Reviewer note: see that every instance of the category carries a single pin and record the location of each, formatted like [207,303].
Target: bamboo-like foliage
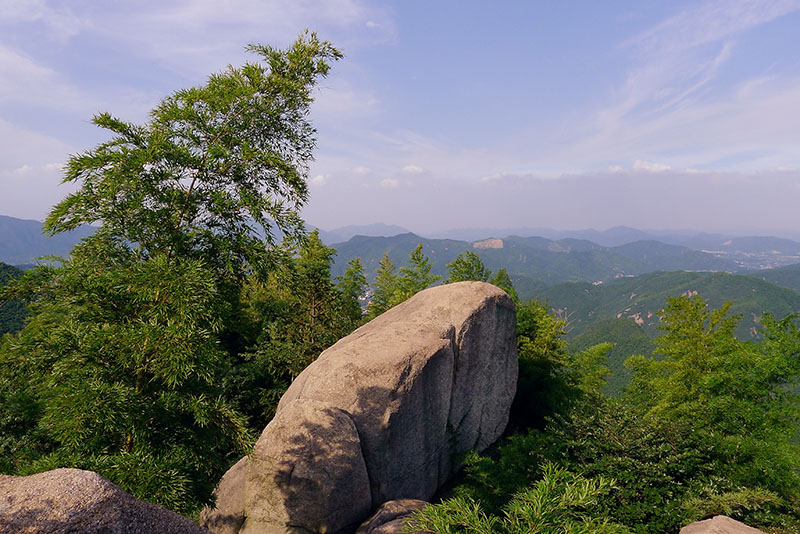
[560,502]
[216,169]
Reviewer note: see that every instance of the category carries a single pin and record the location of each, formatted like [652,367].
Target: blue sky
[450,114]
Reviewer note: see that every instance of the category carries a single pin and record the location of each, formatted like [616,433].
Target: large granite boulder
[403,396]
[74,501]
[719,524]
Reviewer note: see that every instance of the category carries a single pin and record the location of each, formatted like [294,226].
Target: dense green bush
[558,502]
[706,429]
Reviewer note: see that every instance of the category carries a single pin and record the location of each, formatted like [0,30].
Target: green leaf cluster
[736,396]
[467,266]
[215,170]
[12,312]
[295,314]
[559,502]
[392,288]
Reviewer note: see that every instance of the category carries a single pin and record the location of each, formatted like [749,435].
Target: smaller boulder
[719,525]
[227,514]
[306,473]
[391,517]
[81,502]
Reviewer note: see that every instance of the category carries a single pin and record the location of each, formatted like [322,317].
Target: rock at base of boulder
[81,502]
[306,473]
[390,517]
[719,524]
[227,514]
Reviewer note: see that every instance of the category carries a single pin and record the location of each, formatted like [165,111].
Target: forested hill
[530,259]
[22,240]
[8,272]
[639,299]
[625,311]
[788,276]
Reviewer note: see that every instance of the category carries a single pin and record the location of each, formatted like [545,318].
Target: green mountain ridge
[625,311]
[640,298]
[533,262]
[788,276]
[22,240]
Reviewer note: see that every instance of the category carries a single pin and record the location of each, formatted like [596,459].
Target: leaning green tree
[121,366]
[216,169]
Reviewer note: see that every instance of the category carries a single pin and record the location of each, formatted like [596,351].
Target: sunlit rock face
[384,413]
[719,524]
[81,502]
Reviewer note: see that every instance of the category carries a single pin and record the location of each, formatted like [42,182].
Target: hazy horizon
[529,230]
[450,115]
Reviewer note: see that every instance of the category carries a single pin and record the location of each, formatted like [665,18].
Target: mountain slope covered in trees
[22,240]
[640,298]
[787,276]
[533,260]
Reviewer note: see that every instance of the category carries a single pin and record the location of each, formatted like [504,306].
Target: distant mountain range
[788,276]
[536,255]
[746,252]
[640,298]
[534,262]
[22,240]
[345,233]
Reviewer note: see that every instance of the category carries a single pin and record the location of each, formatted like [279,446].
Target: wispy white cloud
[671,103]
[60,21]
[20,147]
[338,103]
[708,22]
[319,180]
[413,169]
[650,166]
[26,81]
[177,33]
[361,171]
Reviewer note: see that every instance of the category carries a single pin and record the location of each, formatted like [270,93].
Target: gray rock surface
[719,524]
[429,378]
[306,472]
[404,395]
[390,517]
[73,501]
[227,514]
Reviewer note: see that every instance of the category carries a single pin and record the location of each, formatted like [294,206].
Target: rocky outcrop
[719,525]
[227,515]
[81,502]
[390,517]
[309,474]
[384,413]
